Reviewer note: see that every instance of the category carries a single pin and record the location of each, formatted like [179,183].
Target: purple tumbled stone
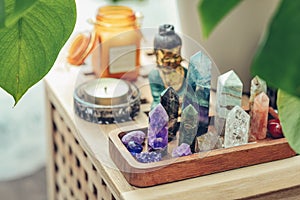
[182,150]
[158,128]
[148,157]
[136,136]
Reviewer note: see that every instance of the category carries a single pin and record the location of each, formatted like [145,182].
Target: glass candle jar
[118,56]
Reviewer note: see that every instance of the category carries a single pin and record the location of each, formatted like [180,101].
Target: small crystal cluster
[148,157]
[182,150]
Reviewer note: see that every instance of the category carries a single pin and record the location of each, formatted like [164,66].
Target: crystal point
[236,128]
[229,95]
[258,86]
[259,117]
[158,128]
[198,86]
[188,126]
[170,101]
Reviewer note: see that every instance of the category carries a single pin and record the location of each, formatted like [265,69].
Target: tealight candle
[107,91]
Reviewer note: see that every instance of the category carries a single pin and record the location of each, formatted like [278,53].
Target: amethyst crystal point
[182,150]
[170,101]
[136,136]
[158,128]
[147,157]
[188,126]
[134,147]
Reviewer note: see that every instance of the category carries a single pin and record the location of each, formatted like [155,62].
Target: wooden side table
[79,165]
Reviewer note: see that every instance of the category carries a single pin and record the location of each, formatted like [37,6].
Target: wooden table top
[238,183]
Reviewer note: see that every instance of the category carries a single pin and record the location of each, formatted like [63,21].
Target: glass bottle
[118,56]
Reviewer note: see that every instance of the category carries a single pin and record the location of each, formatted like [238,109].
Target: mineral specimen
[208,141]
[198,86]
[158,128]
[229,94]
[274,128]
[170,101]
[236,128]
[134,147]
[136,136]
[182,150]
[148,157]
[258,86]
[259,117]
[188,126]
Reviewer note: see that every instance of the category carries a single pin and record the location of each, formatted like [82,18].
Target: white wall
[234,42]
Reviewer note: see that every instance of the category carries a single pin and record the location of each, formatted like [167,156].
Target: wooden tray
[198,164]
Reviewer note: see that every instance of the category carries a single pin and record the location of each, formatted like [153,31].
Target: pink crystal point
[259,117]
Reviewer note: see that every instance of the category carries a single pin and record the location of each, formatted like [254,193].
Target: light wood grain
[93,139]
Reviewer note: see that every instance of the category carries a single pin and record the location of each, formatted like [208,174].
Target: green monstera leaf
[289,107]
[33,35]
[2,14]
[213,11]
[278,59]
[21,7]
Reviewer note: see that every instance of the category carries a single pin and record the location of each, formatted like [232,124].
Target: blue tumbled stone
[134,147]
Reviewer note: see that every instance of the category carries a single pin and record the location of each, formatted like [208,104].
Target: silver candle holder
[107,101]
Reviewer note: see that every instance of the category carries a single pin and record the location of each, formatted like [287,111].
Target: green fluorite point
[189,125]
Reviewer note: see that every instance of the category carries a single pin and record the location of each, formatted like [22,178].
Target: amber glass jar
[118,56]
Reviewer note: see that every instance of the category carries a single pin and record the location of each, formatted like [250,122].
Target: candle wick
[105,89]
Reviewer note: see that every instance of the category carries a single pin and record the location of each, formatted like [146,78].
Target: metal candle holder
[107,101]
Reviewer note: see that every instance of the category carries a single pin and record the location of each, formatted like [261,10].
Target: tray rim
[135,167]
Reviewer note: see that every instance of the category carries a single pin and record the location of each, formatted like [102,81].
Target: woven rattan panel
[75,177]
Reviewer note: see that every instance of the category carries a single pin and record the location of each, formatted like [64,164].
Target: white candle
[107,91]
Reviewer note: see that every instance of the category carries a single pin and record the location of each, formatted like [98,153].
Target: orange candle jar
[118,56]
